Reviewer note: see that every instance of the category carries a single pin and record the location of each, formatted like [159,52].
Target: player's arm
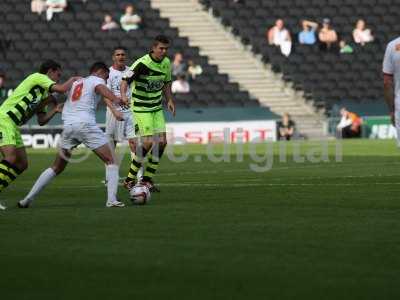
[388,86]
[128,77]
[170,99]
[388,92]
[104,91]
[44,117]
[117,114]
[63,87]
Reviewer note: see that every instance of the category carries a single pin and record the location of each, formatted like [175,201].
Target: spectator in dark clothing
[286,128]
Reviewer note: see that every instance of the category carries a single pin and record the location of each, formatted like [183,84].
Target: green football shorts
[149,123]
[9,133]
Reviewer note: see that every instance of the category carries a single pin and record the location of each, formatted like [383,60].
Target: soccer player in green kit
[31,97]
[149,78]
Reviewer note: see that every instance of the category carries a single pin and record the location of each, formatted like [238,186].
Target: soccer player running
[119,119]
[79,118]
[30,97]
[391,82]
[150,78]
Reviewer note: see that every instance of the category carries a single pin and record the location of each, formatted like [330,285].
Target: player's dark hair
[49,65]
[119,48]
[160,39]
[99,65]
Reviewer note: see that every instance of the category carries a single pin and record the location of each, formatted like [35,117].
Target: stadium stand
[326,77]
[75,39]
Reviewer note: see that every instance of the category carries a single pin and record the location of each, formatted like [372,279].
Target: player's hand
[75,78]
[59,108]
[124,101]
[171,107]
[392,118]
[118,115]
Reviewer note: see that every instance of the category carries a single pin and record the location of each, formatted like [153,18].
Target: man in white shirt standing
[391,82]
[119,118]
[80,127]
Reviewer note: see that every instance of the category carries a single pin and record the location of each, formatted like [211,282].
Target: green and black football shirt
[27,99]
[147,78]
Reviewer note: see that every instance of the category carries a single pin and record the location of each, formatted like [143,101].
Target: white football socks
[112,177]
[44,179]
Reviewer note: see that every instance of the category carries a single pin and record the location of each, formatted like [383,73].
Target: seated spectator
[286,128]
[279,36]
[327,36]
[349,125]
[55,6]
[345,48]
[4,92]
[130,20]
[307,36]
[361,34]
[38,6]
[178,65]
[194,70]
[180,85]
[109,23]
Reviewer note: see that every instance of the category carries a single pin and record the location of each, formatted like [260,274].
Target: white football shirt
[391,65]
[114,84]
[82,101]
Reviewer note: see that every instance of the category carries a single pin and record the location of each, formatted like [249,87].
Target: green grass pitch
[303,230]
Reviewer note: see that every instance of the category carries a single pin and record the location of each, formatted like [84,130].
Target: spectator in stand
[349,125]
[38,6]
[4,92]
[345,48]
[180,85]
[279,36]
[286,128]
[55,6]
[362,35]
[307,36]
[178,65]
[130,20]
[109,23]
[327,36]
[194,70]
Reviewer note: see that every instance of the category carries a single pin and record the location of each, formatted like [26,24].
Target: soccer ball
[140,194]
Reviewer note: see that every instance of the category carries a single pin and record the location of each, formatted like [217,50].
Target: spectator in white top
[130,20]
[180,85]
[38,6]
[55,6]
[194,69]
[361,34]
[279,36]
[109,23]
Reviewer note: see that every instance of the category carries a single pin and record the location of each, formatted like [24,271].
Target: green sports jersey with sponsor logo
[27,99]
[147,78]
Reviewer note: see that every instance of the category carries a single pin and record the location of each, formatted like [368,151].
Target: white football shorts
[120,130]
[82,133]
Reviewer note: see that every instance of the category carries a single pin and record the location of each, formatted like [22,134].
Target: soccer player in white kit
[119,118]
[391,82]
[80,127]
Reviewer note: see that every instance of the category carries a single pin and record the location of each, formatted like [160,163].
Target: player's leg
[105,153]
[159,145]
[110,133]
[12,149]
[96,140]
[144,131]
[46,177]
